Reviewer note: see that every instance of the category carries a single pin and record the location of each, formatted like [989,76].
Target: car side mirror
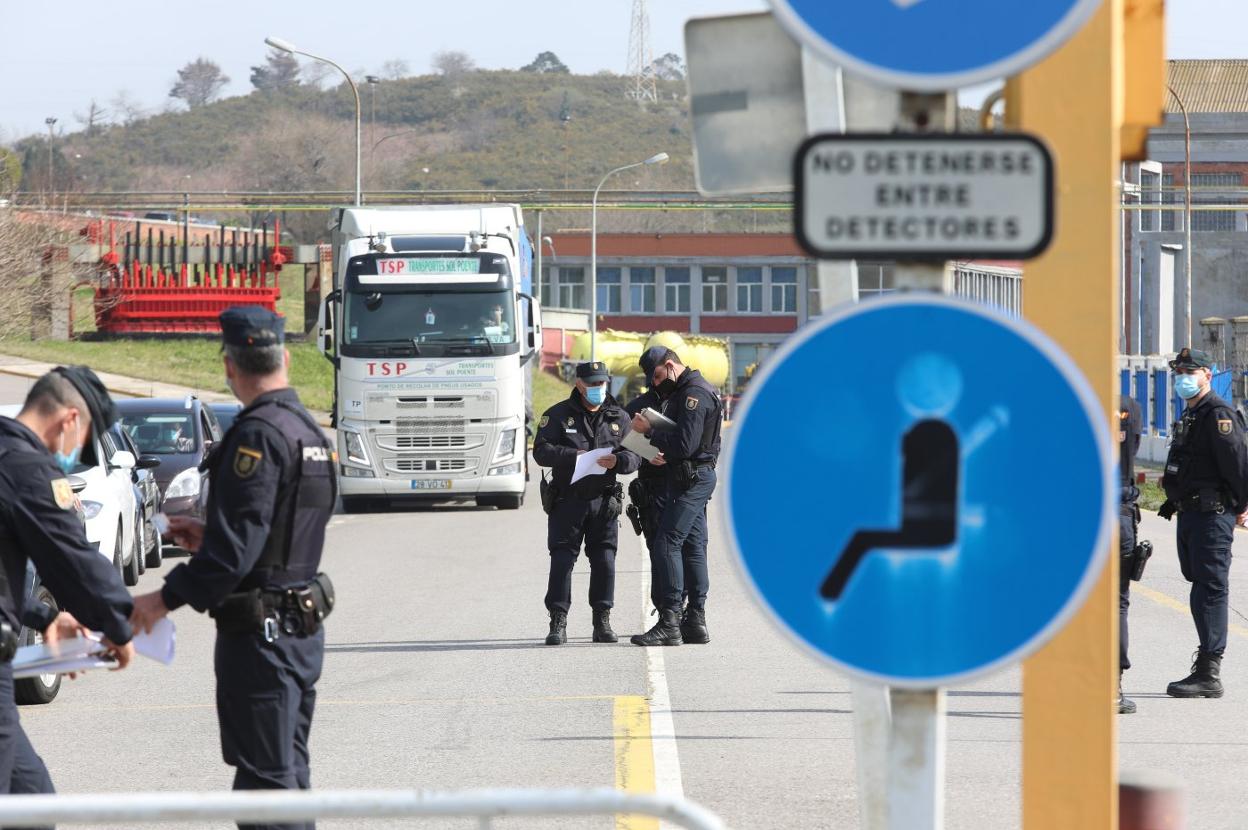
[77,483]
[124,459]
[148,462]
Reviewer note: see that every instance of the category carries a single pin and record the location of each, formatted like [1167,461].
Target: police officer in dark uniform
[1129,428]
[648,491]
[587,511]
[38,449]
[1206,481]
[690,452]
[256,559]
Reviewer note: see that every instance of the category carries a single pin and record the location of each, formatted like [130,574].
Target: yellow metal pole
[1075,101]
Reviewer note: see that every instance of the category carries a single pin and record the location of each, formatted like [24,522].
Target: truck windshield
[428,317]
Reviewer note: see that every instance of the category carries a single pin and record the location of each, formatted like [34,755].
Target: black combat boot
[693,627]
[666,631]
[558,628]
[1204,681]
[1125,706]
[602,627]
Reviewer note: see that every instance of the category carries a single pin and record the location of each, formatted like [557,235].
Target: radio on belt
[924,196]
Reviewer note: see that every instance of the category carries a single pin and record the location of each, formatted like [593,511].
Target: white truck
[434,335]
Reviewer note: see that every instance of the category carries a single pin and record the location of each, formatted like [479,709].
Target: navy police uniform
[649,490]
[1130,427]
[1206,481]
[256,572]
[587,511]
[38,522]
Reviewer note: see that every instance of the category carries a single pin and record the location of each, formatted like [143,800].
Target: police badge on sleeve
[246,460]
[1225,426]
[62,493]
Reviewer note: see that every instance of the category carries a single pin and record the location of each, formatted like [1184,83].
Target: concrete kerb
[124,385]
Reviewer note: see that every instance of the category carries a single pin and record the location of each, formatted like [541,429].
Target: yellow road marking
[634,756]
[1170,602]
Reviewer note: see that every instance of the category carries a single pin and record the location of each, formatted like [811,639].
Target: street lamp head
[658,158]
[49,121]
[279,44]
[372,79]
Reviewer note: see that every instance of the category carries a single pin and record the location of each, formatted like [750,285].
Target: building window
[784,290]
[546,287]
[1214,220]
[641,290]
[609,288]
[1150,194]
[571,289]
[714,289]
[750,289]
[875,279]
[1171,220]
[744,355]
[676,290]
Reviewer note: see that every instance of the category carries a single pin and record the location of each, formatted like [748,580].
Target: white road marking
[667,777]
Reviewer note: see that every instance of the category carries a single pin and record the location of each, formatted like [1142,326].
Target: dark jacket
[648,399]
[1208,455]
[1129,428]
[695,407]
[568,428]
[37,521]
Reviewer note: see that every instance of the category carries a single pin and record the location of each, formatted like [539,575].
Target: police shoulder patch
[246,460]
[62,493]
[691,402]
[571,421]
[542,423]
[615,427]
[1225,425]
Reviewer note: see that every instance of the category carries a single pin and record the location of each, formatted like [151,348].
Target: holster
[295,611]
[8,643]
[549,492]
[614,500]
[1133,563]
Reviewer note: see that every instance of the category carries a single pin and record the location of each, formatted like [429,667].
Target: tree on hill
[94,118]
[281,71]
[669,67]
[10,171]
[546,62]
[453,64]
[125,106]
[199,82]
[395,69]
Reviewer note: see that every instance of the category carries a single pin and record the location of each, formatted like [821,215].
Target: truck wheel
[42,688]
[506,501]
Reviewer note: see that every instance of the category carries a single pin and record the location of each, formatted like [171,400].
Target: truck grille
[429,403]
[430,465]
[427,442]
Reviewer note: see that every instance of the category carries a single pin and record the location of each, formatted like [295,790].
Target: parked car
[109,501]
[180,432]
[226,412]
[147,491]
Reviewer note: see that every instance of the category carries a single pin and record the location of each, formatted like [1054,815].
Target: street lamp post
[372,81]
[1187,213]
[660,158]
[51,122]
[278,43]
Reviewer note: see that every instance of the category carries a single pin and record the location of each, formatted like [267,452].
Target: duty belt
[294,611]
[1204,502]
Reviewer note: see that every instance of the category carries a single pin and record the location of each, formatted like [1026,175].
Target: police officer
[1206,481]
[256,559]
[587,511]
[648,491]
[690,451]
[38,449]
[1129,428]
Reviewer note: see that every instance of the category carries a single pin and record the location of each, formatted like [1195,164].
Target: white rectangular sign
[943,196]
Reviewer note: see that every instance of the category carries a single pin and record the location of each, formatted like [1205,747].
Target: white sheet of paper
[587,464]
[159,644]
[640,444]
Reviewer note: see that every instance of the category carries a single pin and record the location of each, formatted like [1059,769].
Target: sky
[138,45]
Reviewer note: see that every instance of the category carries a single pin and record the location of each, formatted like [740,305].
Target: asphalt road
[436,677]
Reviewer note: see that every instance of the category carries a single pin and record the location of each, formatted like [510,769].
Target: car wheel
[117,562]
[42,688]
[140,546]
[156,552]
[130,570]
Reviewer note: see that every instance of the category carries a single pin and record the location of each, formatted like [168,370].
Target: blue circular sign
[933,45]
[888,480]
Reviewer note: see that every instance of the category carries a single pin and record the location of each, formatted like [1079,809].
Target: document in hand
[83,653]
[657,419]
[587,464]
[640,444]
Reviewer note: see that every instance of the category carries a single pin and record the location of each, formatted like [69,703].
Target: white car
[114,516]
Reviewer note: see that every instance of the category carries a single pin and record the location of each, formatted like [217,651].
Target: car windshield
[428,317]
[160,433]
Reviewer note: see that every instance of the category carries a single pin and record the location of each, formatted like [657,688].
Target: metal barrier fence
[307,805]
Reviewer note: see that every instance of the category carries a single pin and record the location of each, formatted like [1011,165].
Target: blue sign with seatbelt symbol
[932,45]
[888,481]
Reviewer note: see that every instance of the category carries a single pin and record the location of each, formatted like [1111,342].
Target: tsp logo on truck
[386,370]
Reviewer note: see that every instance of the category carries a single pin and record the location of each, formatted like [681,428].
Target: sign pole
[916,760]
[1075,99]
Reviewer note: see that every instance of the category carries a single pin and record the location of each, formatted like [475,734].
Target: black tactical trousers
[1126,544]
[21,768]
[1205,559]
[573,522]
[266,693]
[679,554]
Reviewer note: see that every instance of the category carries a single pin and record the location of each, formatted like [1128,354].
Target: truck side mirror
[325,326]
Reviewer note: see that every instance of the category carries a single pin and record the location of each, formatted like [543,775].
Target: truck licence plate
[432,484]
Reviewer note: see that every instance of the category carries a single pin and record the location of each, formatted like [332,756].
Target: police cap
[99,403]
[1192,359]
[252,325]
[595,372]
[651,359]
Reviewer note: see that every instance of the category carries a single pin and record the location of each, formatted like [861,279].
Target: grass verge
[548,390]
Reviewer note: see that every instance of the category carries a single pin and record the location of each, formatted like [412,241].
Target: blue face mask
[1187,386]
[67,462]
[595,395]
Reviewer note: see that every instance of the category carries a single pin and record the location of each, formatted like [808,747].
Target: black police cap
[1192,359]
[595,372]
[100,404]
[651,359]
[252,325]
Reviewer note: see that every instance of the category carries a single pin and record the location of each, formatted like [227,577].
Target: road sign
[933,45]
[920,489]
[943,196]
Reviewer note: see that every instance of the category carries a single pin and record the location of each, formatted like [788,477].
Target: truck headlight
[509,470]
[184,485]
[355,472]
[506,444]
[91,509]
[354,443]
